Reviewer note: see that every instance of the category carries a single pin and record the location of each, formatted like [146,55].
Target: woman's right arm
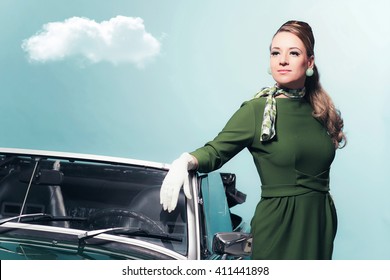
[237,134]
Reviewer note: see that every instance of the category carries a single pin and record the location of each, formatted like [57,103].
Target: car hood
[36,242]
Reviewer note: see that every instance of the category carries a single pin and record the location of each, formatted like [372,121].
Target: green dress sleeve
[237,134]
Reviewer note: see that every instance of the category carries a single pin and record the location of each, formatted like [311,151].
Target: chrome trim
[193,219]
[191,224]
[78,156]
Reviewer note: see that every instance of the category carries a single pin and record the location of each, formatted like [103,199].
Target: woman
[292,131]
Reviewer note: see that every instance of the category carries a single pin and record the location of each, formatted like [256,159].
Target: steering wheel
[113,217]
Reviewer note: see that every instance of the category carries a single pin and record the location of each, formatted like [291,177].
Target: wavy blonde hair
[323,108]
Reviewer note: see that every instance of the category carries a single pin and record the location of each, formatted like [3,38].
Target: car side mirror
[232,243]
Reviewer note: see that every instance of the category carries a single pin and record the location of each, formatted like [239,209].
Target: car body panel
[216,211]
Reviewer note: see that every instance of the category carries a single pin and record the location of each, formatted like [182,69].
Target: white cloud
[118,40]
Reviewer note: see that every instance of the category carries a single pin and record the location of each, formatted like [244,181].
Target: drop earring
[269,71]
[309,72]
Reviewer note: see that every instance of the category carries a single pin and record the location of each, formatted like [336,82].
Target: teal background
[213,56]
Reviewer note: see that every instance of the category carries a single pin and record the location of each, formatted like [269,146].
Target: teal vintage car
[56,205]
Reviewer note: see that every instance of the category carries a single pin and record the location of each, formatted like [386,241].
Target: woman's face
[289,61]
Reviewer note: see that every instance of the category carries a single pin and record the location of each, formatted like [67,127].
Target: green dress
[295,217]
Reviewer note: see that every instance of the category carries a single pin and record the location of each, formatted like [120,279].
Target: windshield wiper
[40,217]
[133,232]
[19,217]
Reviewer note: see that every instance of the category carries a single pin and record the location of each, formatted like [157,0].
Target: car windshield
[90,196]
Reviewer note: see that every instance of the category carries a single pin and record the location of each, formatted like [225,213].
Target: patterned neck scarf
[269,117]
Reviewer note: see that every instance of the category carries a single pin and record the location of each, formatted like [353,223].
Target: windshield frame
[99,160]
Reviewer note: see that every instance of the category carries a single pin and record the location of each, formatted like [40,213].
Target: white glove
[177,176]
